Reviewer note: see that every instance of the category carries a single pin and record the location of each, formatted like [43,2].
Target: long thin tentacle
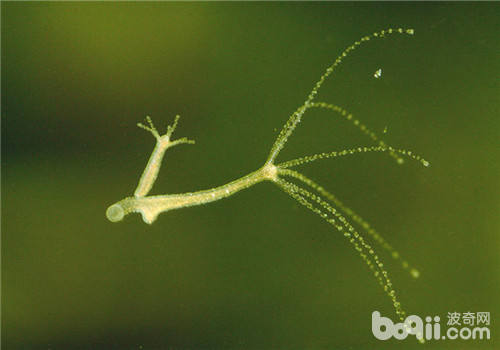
[355,217]
[301,195]
[334,154]
[331,215]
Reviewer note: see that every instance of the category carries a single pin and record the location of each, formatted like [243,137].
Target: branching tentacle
[296,116]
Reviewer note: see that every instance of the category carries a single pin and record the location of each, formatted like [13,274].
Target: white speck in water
[414,273]
[378,73]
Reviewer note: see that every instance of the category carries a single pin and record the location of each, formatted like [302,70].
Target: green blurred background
[256,270]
